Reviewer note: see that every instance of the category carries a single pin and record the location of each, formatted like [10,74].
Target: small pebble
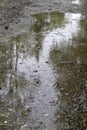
[46,115]
[6,27]
[23,127]
[41,122]
[5,122]
[38,82]
[66,94]
[3,114]
[47,62]
[35,71]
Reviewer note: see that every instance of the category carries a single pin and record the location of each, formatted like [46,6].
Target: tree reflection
[13,113]
[45,22]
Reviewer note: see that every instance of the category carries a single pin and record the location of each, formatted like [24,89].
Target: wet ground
[43,72]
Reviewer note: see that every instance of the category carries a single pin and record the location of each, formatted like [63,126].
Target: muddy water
[43,75]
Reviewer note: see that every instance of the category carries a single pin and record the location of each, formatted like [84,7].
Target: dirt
[16,16]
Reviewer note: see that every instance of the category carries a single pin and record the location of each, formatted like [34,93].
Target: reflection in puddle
[40,74]
[62,35]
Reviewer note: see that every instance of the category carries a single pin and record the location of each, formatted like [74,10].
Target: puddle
[43,74]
